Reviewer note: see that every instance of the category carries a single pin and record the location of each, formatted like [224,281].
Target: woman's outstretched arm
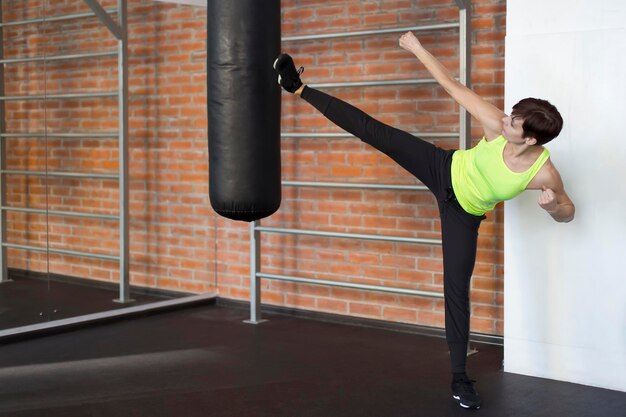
[489,116]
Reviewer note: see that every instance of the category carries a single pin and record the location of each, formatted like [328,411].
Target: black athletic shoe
[463,391]
[288,76]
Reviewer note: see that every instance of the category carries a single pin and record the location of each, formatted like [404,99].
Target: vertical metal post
[465,69]
[122,62]
[465,76]
[255,281]
[4,276]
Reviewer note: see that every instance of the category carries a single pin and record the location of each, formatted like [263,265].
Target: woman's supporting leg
[459,231]
[424,160]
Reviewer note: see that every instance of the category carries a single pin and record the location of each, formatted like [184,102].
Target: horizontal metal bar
[61,174]
[54,18]
[354,185]
[375,83]
[85,254]
[85,135]
[58,96]
[63,252]
[61,213]
[25,247]
[284,135]
[379,288]
[57,57]
[372,32]
[398,239]
[349,135]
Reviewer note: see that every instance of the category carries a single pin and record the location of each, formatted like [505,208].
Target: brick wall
[177,241]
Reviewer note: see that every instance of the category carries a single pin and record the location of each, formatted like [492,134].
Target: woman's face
[512,129]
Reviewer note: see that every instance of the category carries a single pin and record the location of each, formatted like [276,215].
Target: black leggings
[431,165]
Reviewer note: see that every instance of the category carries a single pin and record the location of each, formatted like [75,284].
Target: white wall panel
[565,284]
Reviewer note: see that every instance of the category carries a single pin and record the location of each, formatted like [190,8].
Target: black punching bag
[243,40]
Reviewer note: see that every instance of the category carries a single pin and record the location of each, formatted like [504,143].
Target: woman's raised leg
[425,161]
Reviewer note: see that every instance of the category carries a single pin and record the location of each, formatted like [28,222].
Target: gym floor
[204,361]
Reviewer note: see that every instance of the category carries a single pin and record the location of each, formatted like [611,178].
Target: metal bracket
[254,322]
[463,4]
[104,17]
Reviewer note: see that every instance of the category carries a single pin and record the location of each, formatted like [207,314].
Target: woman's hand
[409,42]
[547,200]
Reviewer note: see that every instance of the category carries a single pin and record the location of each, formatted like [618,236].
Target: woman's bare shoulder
[547,176]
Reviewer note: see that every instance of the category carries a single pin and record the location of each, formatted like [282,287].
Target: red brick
[334,306]
[377,19]
[399,314]
[367,310]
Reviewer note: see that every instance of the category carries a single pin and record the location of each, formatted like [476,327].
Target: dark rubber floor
[204,361]
[25,301]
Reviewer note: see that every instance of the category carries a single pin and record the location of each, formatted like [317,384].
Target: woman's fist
[409,42]
[547,200]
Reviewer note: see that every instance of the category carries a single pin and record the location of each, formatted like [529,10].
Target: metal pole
[375,83]
[53,18]
[61,213]
[366,287]
[359,236]
[60,135]
[59,174]
[63,252]
[58,57]
[123,152]
[371,32]
[358,185]
[58,96]
[349,135]
[255,280]
[465,67]
[4,277]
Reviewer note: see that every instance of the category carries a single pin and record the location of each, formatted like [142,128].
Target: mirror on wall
[62,181]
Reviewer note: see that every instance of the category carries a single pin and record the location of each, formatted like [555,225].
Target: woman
[467,184]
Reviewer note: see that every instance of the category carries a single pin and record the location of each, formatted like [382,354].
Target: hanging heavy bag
[243,39]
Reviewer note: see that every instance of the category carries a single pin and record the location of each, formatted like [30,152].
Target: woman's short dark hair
[542,120]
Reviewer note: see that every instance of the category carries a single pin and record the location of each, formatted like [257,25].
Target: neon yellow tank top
[481,179]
